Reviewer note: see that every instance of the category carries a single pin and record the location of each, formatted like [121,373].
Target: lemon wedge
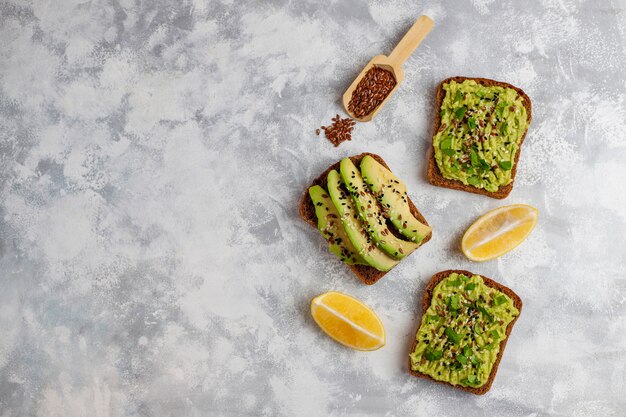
[348,321]
[499,231]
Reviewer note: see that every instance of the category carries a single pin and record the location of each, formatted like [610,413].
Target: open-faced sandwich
[479,129]
[466,322]
[362,209]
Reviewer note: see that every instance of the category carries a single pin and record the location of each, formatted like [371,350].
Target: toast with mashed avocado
[466,323]
[363,211]
[479,129]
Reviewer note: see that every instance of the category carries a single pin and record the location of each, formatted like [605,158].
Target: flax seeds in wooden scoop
[380,78]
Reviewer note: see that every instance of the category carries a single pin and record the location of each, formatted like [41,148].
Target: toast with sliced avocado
[466,322]
[371,212]
[330,226]
[480,125]
[354,226]
[378,227]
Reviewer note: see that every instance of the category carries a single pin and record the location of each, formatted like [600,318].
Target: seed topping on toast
[480,133]
[461,332]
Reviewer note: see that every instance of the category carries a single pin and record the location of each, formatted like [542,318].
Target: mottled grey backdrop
[152,154]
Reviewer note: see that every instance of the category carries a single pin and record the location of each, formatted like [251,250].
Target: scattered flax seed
[372,90]
[339,131]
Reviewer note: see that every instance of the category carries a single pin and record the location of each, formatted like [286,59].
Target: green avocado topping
[390,191]
[372,214]
[354,227]
[460,335]
[366,215]
[452,335]
[330,226]
[480,133]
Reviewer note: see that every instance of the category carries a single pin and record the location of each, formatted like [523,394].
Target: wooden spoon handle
[411,40]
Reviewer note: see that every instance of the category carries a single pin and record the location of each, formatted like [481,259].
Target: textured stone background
[152,154]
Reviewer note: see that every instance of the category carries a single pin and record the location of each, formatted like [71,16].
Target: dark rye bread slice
[369,275]
[428,295]
[434,174]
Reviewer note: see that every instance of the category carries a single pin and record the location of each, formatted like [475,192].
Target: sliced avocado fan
[391,193]
[330,226]
[372,214]
[354,227]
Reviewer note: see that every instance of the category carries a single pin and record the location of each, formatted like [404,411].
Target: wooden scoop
[392,63]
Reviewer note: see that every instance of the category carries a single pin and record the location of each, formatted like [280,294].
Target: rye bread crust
[369,275]
[428,294]
[434,174]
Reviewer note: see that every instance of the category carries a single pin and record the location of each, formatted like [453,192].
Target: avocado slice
[330,226]
[391,193]
[372,214]
[354,227]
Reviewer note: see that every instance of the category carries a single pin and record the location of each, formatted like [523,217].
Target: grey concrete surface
[152,155]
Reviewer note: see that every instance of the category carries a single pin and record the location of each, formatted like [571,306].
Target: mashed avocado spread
[459,338]
[480,133]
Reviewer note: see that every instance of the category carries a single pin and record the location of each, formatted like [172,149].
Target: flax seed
[371,91]
[339,131]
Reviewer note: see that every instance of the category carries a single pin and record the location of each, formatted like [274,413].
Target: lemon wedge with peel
[499,231]
[348,321]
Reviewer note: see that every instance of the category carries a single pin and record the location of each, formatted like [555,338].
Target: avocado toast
[480,125]
[381,227]
[466,321]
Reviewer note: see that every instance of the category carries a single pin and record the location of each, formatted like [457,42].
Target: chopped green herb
[490,346]
[454,283]
[432,354]
[467,351]
[432,318]
[442,113]
[500,108]
[506,165]
[495,334]
[470,380]
[462,359]
[499,299]
[474,158]
[476,361]
[453,302]
[453,336]
[458,96]
[471,123]
[446,146]
[460,112]
[485,312]
[470,286]
[473,180]
[504,128]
